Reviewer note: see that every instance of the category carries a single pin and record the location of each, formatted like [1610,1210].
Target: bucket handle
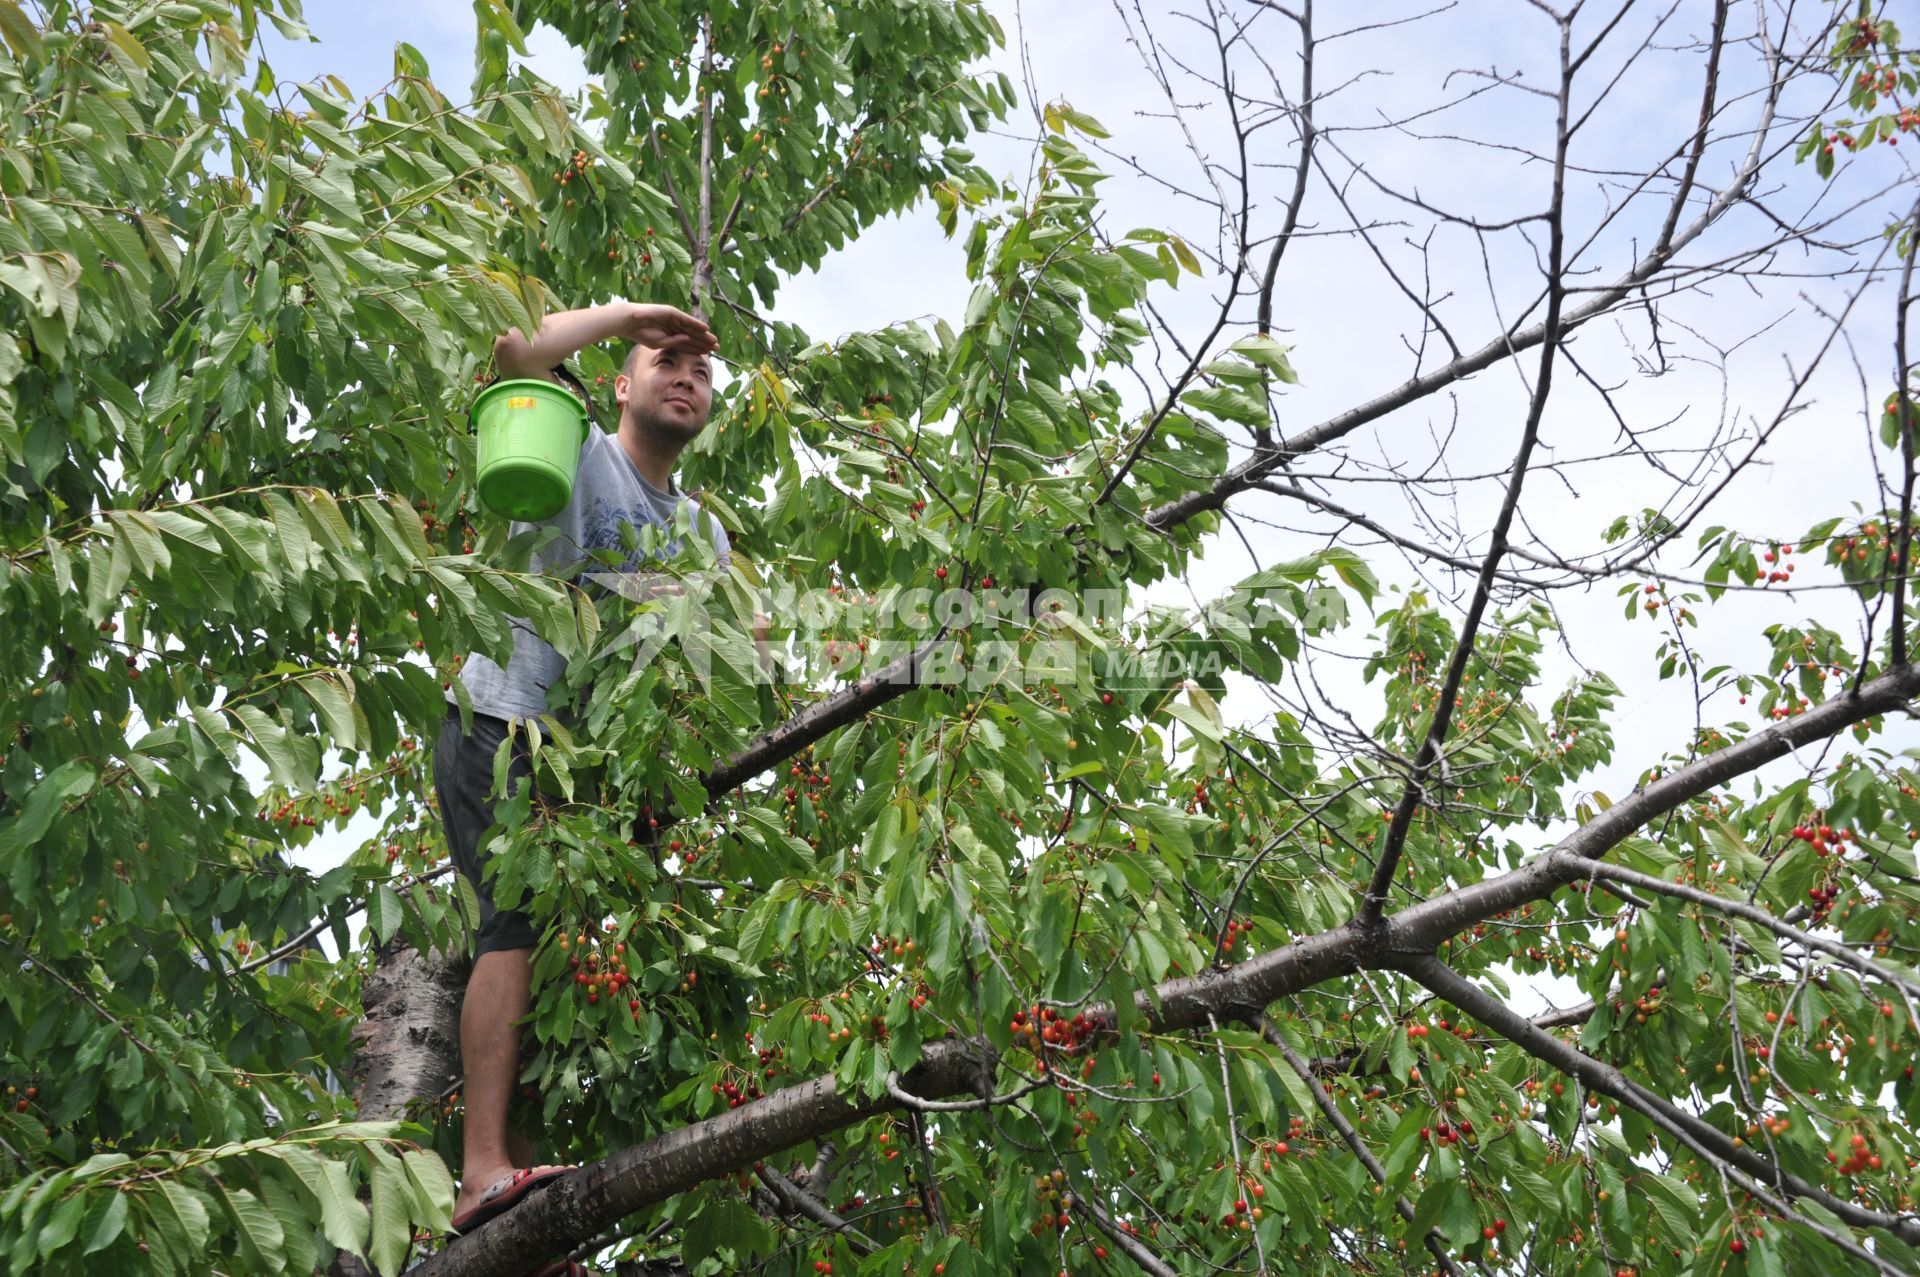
[567,374]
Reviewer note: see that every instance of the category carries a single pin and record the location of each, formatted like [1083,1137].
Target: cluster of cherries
[1822,838]
[1862,1158]
[1653,605]
[1822,898]
[1044,1025]
[601,976]
[1056,1203]
[813,785]
[1861,546]
[1234,931]
[1778,573]
[285,814]
[1241,1216]
[577,165]
[1646,1005]
[1447,1132]
[737,1096]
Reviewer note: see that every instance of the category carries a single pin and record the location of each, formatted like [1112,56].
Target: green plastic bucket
[531,432]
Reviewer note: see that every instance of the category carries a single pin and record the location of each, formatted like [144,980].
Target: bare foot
[487,1192]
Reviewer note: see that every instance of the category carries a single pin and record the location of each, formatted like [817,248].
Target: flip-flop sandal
[506,1194]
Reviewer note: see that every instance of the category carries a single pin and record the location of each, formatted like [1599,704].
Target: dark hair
[567,375]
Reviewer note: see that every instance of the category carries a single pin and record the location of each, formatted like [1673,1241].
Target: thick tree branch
[1127,1240]
[1419,929]
[300,941]
[848,705]
[673,195]
[1263,321]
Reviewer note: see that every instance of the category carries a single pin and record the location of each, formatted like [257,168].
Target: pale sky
[1344,315]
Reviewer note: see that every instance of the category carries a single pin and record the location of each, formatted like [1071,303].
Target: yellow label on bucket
[521,401]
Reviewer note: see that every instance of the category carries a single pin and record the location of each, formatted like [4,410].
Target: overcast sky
[1352,328]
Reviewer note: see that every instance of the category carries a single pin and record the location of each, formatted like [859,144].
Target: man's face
[668,392]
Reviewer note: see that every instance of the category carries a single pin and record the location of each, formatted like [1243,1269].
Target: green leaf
[1230,403]
[1460,1218]
[186,1209]
[1046,727]
[290,759]
[384,912]
[1084,122]
[391,1238]
[69,780]
[1353,570]
[106,1226]
[296,1232]
[21,33]
[333,697]
[343,1218]
[63,1224]
[124,41]
[1677,1206]
[1269,354]
[260,1235]
[433,1187]
[1405,1149]
[1202,724]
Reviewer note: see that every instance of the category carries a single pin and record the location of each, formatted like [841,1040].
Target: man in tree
[624,482]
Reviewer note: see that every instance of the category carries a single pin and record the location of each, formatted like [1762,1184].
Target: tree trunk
[409,1041]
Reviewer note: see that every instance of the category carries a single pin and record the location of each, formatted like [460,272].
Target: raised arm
[567,331]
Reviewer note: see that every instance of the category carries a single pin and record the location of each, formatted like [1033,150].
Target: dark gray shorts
[462,777]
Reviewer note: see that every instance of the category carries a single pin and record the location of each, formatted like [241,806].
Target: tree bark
[409,1041]
[410,1038]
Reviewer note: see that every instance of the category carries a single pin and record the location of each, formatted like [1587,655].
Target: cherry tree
[1188,759]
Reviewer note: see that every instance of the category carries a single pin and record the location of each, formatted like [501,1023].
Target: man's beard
[671,429]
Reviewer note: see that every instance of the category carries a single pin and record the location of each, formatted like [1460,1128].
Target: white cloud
[550,57]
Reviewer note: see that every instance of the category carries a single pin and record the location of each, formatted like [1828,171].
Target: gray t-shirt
[608,492]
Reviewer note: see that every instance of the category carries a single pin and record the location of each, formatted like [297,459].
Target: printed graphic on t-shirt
[603,526]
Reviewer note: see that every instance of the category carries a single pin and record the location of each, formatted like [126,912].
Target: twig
[1338,1120]
[1904,400]
[1435,741]
[1708,1144]
[813,1208]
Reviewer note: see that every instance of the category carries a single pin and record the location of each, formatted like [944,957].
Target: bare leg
[497,998]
